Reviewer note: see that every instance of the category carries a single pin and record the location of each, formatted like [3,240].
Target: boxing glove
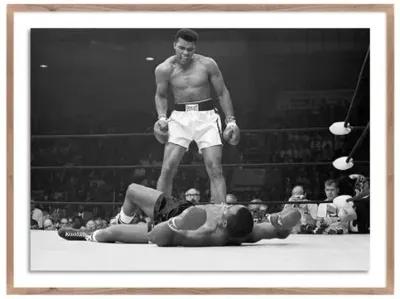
[341,201]
[161,130]
[232,133]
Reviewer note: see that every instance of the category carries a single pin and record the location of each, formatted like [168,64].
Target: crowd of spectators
[337,216]
[254,147]
[43,220]
[91,186]
[101,191]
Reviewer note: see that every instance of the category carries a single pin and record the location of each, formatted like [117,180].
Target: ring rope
[117,135]
[283,164]
[346,120]
[200,203]
[359,140]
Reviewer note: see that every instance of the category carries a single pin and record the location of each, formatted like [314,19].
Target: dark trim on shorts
[219,127]
[167,207]
[150,226]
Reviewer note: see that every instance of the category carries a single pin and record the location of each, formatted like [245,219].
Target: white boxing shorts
[204,127]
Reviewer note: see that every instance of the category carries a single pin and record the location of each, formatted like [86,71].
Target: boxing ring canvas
[327,263]
[296,253]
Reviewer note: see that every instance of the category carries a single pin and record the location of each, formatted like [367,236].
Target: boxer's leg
[173,154]
[212,159]
[138,196]
[136,233]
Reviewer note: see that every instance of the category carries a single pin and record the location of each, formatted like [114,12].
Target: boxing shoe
[71,234]
[286,219]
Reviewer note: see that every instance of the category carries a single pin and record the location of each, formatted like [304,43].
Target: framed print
[192,153]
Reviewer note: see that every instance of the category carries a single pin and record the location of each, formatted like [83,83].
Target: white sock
[124,218]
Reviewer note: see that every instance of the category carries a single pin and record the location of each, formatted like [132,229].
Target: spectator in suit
[34,224]
[307,222]
[84,214]
[362,207]
[231,199]
[37,215]
[91,225]
[77,222]
[192,195]
[258,210]
[63,222]
[327,214]
[48,224]
[332,218]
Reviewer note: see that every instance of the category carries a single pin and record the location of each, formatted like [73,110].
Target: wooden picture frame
[386,9]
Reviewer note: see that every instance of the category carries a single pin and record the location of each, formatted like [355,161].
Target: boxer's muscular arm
[195,238]
[263,231]
[163,235]
[191,228]
[220,88]
[256,235]
[161,98]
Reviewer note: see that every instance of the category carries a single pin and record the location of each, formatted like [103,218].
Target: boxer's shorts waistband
[200,106]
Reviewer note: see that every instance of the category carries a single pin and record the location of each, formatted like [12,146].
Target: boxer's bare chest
[193,76]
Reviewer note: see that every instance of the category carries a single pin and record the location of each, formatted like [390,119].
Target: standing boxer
[189,77]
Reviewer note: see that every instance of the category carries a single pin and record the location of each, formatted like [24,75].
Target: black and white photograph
[199,149]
